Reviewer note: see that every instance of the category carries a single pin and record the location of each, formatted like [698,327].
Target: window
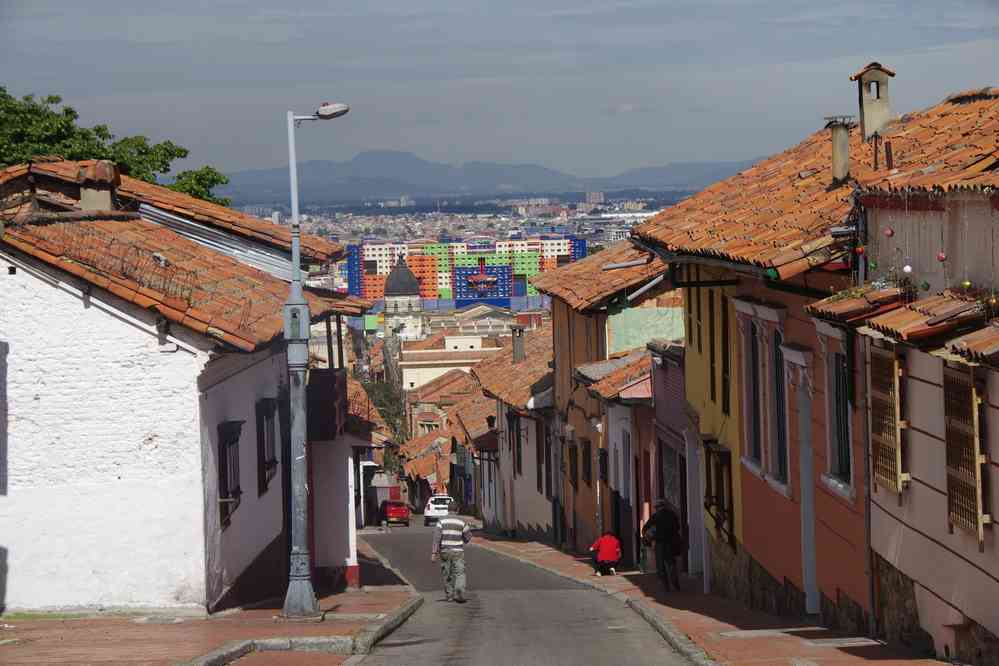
[266,443]
[228,469]
[726,371]
[587,461]
[718,489]
[689,301]
[839,418]
[966,493]
[539,453]
[519,444]
[884,373]
[573,465]
[549,477]
[754,422]
[602,464]
[697,292]
[711,345]
[778,466]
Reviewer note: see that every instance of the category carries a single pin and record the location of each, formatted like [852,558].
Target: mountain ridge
[381,174]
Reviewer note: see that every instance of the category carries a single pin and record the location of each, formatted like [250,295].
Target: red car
[395,511]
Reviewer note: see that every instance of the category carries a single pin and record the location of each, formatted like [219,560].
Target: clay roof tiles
[449,387]
[360,405]
[133,191]
[612,384]
[778,213]
[471,413]
[515,383]
[157,269]
[585,284]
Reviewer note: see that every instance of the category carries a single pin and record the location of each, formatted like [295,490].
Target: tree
[31,127]
[199,183]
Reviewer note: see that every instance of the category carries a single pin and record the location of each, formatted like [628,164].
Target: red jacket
[608,548]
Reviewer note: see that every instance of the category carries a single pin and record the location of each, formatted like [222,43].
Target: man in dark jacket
[664,528]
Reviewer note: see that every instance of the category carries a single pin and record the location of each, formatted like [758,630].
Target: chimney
[875,105]
[97,184]
[840,128]
[517,333]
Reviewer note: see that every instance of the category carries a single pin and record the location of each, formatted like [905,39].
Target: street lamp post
[300,600]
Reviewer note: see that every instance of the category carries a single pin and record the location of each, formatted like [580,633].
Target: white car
[436,508]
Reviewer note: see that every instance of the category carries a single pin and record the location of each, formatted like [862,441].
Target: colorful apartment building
[475,270]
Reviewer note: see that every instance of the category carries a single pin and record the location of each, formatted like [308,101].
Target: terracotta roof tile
[859,304]
[513,383]
[610,387]
[449,387]
[457,356]
[952,145]
[585,284]
[778,213]
[136,191]
[155,268]
[360,406]
[472,412]
[930,317]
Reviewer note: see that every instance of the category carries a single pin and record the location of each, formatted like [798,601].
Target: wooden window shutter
[965,501]
[886,420]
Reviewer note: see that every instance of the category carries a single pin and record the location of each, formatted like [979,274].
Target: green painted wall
[634,327]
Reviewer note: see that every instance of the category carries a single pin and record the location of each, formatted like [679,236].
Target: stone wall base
[736,575]
[899,623]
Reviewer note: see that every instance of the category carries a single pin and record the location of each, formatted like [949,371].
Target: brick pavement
[727,631]
[164,639]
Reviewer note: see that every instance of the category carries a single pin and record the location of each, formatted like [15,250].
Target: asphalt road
[516,614]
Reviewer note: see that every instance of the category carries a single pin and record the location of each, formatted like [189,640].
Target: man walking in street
[450,536]
[664,528]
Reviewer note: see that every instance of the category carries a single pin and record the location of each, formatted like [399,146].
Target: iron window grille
[726,370]
[267,463]
[755,396]
[966,498]
[228,469]
[779,466]
[718,489]
[712,347]
[840,431]
[886,424]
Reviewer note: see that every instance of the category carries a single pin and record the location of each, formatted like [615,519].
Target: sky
[589,87]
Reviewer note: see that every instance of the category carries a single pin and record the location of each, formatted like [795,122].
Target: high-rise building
[594,197]
[470,271]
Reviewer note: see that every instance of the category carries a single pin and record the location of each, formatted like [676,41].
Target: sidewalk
[707,628]
[353,620]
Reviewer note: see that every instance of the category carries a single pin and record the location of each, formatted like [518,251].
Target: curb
[360,643]
[676,638]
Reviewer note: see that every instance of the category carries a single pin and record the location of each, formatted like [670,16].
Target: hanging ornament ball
[925,286]
[889,232]
[965,284]
[907,269]
[941,256]
[859,249]
[873,264]
[993,301]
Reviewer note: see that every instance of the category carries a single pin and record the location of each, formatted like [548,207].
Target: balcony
[326,395]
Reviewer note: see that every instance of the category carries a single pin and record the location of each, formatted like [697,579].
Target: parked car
[436,508]
[395,511]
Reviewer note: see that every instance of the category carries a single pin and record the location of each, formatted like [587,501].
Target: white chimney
[840,128]
[875,105]
[97,183]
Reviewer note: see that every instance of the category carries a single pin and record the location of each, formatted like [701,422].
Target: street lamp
[300,600]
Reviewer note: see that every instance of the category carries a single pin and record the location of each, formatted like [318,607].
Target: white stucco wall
[231,387]
[335,515]
[102,504]
[525,508]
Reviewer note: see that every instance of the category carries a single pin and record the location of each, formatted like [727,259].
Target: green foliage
[31,127]
[390,402]
[199,183]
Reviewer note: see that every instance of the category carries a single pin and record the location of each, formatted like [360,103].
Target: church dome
[401,281]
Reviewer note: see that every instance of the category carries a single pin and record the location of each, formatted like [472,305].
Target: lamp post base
[300,602]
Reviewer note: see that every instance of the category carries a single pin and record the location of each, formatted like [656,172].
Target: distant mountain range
[382,174]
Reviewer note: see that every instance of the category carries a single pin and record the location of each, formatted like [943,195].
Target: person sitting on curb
[606,554]
[450,536]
